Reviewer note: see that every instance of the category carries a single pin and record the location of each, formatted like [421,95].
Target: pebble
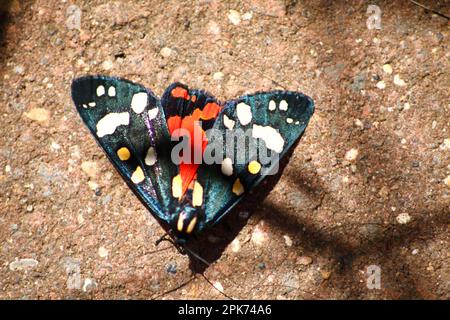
[415,251]
[218,76]
[166,52]
[398,81]
[218,286]
[387,68]
[403,218]
[19,69]
[261,266]
[259,236]
[102,252]
[90,168]
[325,274]
[213,28]
[304,260]
[93,185]
[445,145]
[351,154]
[23,264]
[38,114]
[107,65]
[247,16]
[447,181]
[359,124]
[381,85]
[89,285]
[171,268]
[30,208]
[235,245]
[7,168]
[234,17]
[287,240]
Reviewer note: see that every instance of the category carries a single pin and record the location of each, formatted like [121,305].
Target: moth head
[187,221]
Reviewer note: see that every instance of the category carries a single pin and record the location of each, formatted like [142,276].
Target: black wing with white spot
[252,133]
[127,121]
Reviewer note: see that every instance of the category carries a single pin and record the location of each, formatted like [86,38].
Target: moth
[140,132]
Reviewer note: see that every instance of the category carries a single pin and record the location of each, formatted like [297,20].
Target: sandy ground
[367,188]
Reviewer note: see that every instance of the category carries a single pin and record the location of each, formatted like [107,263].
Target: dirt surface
[367,188]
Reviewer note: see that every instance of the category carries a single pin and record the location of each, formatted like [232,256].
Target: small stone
[7,168]
[261,266]
[351,154]
[166,52]
[259,236]
[235,245]
[89,285]
[19,69]
[287,240]
[102,252]
[415,251]
[359,124]
[23,264]
[325,274]
[387,68]
[398,81]
[218,76]
[406,106]
[234,17]
[218,286]
[213,28]
[30,208]
[107,65]
[403,218]
[171,268]
[447,181]
[80,218]
[247,16]
[434,124]
[381,85]
[90,168]
[445,145]
[93,185]
[304,260]
[38,114]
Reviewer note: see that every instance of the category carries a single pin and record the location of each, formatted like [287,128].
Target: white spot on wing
[227,167]
[273,139]
[228,122]
[152,113]
[100,91]
[283,105]
[289,120]
[111,91]
[109,123]
[91,104]
[244,113]
[272,105]
[150,158]
[139,102]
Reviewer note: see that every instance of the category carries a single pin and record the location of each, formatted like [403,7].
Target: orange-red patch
[179,92]
[190,124]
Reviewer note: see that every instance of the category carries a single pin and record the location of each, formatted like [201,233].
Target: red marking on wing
[190,126]
[179,92]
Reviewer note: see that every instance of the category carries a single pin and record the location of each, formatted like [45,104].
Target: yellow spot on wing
[177,187]
[238,189]
[138,175]
[197,195]
[123,154]
[254,167]
[180,222]
[191,225]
